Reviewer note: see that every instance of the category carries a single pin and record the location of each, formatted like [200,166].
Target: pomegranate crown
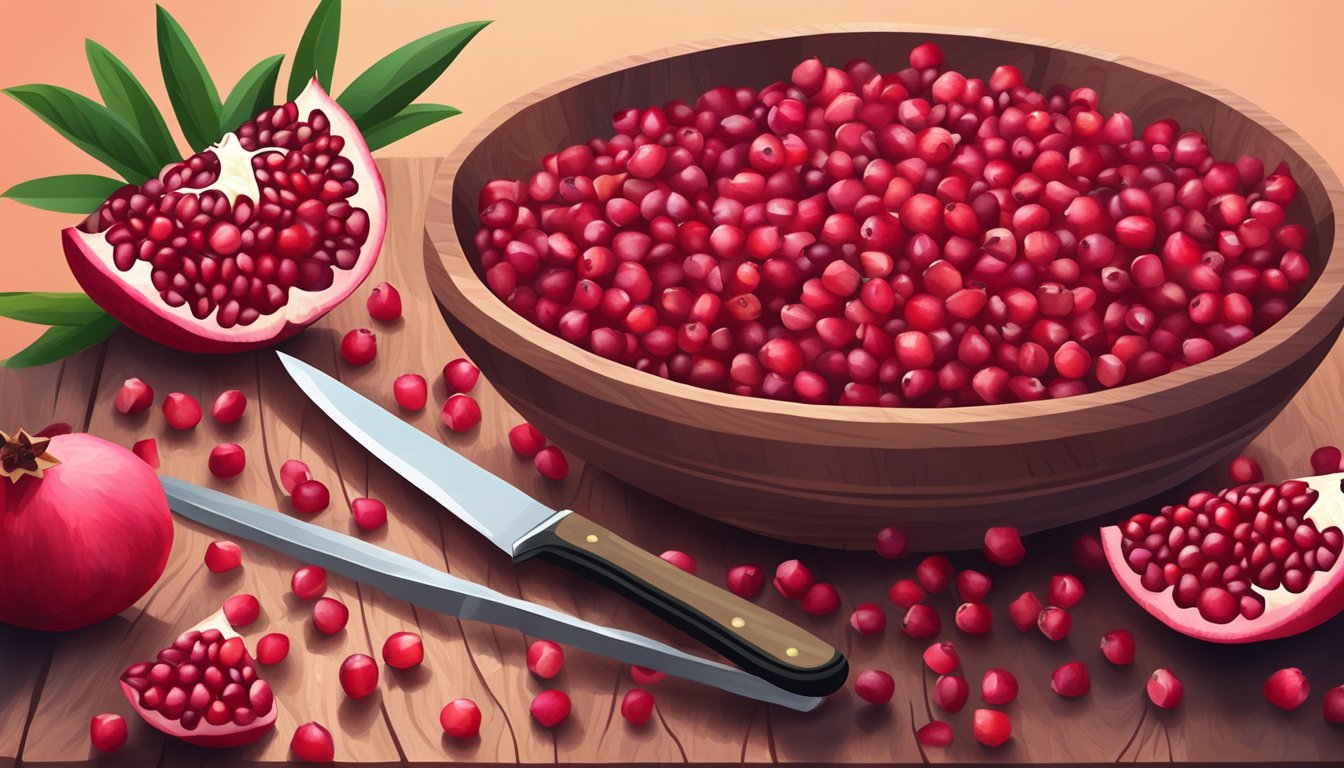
[24,454]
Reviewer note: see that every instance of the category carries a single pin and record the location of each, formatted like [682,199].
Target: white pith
[236,178]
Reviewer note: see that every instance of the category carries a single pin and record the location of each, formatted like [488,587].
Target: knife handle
[753,638]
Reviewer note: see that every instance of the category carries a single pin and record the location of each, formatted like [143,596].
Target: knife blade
[405,578]
[755,639]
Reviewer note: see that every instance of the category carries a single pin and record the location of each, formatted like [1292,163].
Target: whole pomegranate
[244,243]
[84,530]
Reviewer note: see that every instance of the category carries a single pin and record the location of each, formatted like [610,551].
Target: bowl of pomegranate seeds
[817,285]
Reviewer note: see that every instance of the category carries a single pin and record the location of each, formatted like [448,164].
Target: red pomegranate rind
[162,288]
[1285,612]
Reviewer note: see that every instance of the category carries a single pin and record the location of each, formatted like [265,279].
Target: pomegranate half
[1253,562]
[242,244]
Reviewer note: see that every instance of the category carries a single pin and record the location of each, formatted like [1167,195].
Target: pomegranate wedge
[1253,562]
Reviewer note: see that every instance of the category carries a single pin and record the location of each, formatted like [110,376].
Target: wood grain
[50,685]
[942,474]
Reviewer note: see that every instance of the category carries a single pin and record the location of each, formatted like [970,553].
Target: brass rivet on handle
[790,651]
[591,538]
[738,622]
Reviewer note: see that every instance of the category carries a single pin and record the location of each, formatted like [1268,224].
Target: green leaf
[190,89]
[75,193]
[316,54]
[61,341]
[395,80]
[49,308]
[92,127]
[124,95]
[254,92]
[406,122]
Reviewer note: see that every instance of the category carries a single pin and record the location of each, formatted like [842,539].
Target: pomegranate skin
[102,515]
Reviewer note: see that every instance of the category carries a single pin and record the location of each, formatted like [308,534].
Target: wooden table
[50,685]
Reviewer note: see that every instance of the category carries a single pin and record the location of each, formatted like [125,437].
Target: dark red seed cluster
[916,238]
[1216,548]
[202,677]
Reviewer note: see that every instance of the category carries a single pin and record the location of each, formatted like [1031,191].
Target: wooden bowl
[834,475]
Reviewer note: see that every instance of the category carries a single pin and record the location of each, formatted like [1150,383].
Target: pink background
[1286,57]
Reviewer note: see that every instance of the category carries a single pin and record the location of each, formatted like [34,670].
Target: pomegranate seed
[1326,460]
[551,463]
[991,727]
[384,302]
[460,413]
[1065,590]
[545,658]
[526,440]
[974,618]
[460,375]
[1164,689]
[680,559]
[241,610]
[411,391]
[148,451]
[272,648]
[223,556]
[941,658]
[1087,552]
[181,410]
[934,573]
[133,397]
[308,582]
[934,734]
[292,473]
[1071,680]
[1287,688]
[746,581]
[310,497]
[359,675]
[868,619]
[1025,611]
[1055,623]
[107,732]
[359,346]
[1118,647]
[972,586]
[229,406]
[1003,546]
[1245,470]
[227,460]
[461,719]
[312,743]
[637,704]
[403,650]
[330,615]
[874,686]
[644,675]
[906,593]
[820,599]
[921,622]
[891,543]
[550,708]
[1333,705]
[950,693]
[369,514]
[792,579]
[998,687]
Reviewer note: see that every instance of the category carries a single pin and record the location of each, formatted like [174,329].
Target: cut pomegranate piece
[242,244]
[203,689]
[1254,562]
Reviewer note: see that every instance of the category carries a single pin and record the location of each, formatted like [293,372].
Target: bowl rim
[1315,317]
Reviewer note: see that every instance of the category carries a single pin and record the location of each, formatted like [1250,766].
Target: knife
[755,639]
[405,578]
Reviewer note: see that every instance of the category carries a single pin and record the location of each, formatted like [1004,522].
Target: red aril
[868,619]
[972,586]
[308,582]
[411,391]
[242,609]
[1065,590]
[1164,689]
[181,410]
[545,659]
[551,463]
[921,622]
[292,473]
[998,687]
[637,706]
[403,650]
[1025,611]
[223,556]
[874,686]
[461,719]
[1087,552]
[369,514]
[358,675]
[891,543]
[227,460]
[792,579]
[1003,546]
[974,618]
[550,708]
[526,440]
[941,658]
[905,593]
[991,727]
[644,675]
[1071,680]
[330,615]
[384,302]
[229,406]
[148,451]
[312,743]
[680,559]
[134,396]
[1054,623]
[1287,688]
[460,375]
[745,581]
[820,599]
[359,347]
[934,573]
[1333,705]
[1326,460]
[934,734]
[1118,647]
[272,648]
[310,497]
[1245,470]
[107,732]
[950,693]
